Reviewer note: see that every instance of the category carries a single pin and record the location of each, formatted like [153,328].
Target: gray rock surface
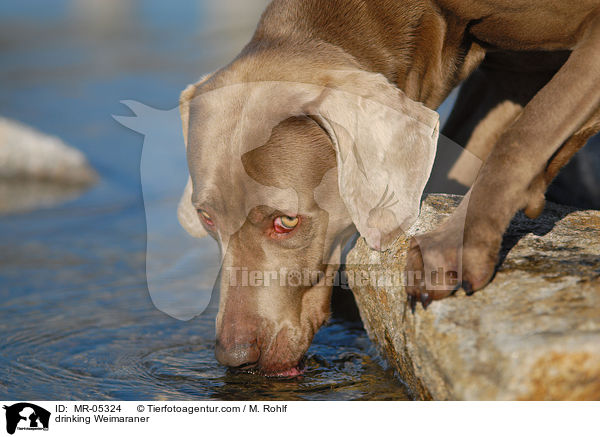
[38,170]
[533,333]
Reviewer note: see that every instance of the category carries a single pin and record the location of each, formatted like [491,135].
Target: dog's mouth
[291,372]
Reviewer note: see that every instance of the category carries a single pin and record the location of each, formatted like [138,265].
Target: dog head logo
[26,416]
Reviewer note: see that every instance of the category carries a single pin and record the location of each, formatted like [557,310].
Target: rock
[533,333]
[38,170]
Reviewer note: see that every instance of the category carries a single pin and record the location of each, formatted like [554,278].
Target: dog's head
[281,174]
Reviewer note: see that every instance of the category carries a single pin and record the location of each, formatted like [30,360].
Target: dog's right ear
[186,213]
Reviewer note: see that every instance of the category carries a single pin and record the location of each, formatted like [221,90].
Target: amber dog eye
[285,224]
[206,217]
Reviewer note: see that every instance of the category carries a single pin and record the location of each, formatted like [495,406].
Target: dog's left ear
[186,213]
[385,146]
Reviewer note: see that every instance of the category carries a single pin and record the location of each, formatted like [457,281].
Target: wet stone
[533,333]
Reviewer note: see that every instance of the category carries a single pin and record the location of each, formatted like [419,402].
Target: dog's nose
[237,355]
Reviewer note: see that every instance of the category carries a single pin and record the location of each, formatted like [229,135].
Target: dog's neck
[422,51]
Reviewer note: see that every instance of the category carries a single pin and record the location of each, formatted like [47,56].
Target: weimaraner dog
[324,124]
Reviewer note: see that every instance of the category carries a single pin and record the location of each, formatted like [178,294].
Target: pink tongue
[289,373]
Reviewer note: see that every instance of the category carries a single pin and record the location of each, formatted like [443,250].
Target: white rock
[38,170]
[26,153]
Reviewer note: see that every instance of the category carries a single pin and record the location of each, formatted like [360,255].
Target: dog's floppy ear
[186,213]
[385,146]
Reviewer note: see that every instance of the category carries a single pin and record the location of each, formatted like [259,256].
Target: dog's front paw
[438,264]
[432,271]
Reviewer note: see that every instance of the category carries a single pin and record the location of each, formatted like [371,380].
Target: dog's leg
[543,180]
[491,100]
[555,114]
